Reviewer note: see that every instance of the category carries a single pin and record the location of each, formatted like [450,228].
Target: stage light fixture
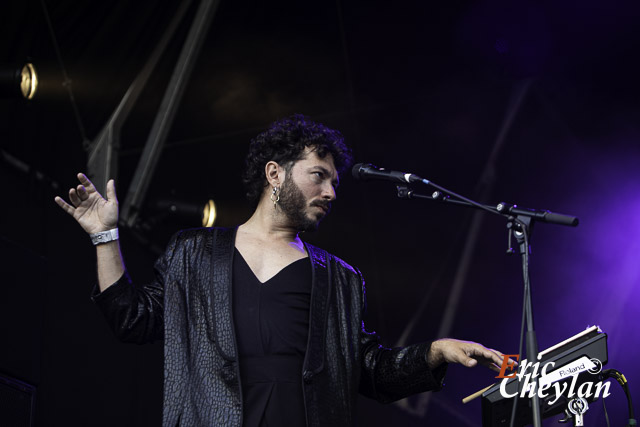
[209,214]
[28,81]
[189,211]
[16,81]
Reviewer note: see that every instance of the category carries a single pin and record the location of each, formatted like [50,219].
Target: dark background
[424,87]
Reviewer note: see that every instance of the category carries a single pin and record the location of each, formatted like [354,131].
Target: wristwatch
[104,236]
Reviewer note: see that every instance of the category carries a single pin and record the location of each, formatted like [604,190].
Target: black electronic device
[570,355]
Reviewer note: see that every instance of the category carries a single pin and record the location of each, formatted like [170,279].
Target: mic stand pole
[520,226]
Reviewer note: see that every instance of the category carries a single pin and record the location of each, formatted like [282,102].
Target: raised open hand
[89,208]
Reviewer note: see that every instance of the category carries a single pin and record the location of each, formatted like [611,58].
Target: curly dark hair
[284,142]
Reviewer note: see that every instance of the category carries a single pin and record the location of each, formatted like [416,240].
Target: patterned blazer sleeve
[390,374]
[135,312]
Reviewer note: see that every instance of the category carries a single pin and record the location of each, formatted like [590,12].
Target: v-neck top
[271,322]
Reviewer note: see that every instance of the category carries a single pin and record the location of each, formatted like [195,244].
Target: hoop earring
[275,197]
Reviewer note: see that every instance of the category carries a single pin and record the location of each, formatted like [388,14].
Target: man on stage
[260,328]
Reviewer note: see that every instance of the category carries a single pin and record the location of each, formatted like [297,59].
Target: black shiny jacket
[189,305]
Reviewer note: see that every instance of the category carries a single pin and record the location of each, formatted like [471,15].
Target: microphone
[366,171]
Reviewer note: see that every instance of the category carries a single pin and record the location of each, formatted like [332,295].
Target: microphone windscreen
[357,170]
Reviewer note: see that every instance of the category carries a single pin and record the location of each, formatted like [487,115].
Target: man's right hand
[95,214]
[89,208]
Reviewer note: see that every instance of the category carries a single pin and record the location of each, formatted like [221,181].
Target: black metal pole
[164,118]
[522,232]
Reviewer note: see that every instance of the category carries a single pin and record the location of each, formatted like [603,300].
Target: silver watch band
[104,236]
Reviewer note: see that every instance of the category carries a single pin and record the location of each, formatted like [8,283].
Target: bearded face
[302,214]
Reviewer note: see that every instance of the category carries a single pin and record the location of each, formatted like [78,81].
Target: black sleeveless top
[272,324]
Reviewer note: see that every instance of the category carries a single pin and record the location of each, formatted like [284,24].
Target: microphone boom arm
[443,195]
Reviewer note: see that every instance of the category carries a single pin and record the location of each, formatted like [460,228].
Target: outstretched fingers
[111,191]
[76,195]
[64,205]
[490,358]
[86,182]
[493,356]
[82,192]
[73,197]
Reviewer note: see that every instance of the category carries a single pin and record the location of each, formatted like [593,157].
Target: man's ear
[274,173]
